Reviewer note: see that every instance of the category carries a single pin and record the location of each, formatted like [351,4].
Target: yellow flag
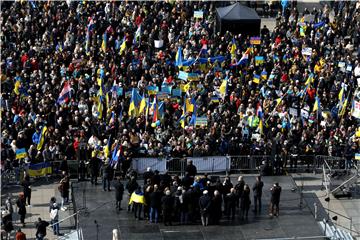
[142,105]
[222,88]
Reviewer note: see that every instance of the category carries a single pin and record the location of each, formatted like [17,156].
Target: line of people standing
[194,198]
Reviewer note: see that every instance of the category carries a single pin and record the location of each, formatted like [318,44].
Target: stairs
[334,233]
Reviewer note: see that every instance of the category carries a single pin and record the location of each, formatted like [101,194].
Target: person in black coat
[230,202]
[185,202]
[191,169]
[216,207]
[167,206]
[41,226]
[131,186]
[148,175]
[107,174]
[257,189]
[155,204]
[119,191]
[275,200]
[245,202]
[239,188]
[27,188]
[204,205]
[94,168]
[21,204]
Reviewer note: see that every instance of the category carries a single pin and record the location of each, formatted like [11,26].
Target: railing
[243,163]
[342,221]
[216,164]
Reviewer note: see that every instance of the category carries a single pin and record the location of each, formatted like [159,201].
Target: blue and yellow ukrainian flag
[137,198]
[178,57]
[42,138]
[342,96]
[134,103]
[104,42]
[317,106]
[357,156]
[21,153]
[123,46]
[142,104]
[182,118]
[39,169]
[256,79]
[233,49]
[264,75]
[107,148]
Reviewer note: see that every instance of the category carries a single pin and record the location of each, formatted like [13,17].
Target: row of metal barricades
[221,164]
[240,163]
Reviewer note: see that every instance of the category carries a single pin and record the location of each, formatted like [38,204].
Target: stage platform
[294,221]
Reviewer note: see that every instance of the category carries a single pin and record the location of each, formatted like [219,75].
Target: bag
[53,213]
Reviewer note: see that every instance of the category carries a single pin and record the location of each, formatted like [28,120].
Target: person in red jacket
[20,235]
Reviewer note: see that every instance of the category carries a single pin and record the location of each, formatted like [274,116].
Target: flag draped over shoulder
[137,198]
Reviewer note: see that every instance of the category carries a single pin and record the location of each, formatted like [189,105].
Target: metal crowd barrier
[73,166]
[250,163]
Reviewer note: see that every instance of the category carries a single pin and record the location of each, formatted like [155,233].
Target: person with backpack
[41,229]
[54,219]
[21,204]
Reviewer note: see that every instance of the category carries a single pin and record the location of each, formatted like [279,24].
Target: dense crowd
[102,51]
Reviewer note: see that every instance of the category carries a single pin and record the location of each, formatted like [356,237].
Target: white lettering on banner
[210,164]
[141,164]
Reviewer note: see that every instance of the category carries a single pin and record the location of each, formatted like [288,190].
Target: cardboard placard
[162,95]
[198,14]
[201,121]
[306,51]
[158,43]
[176,92]
[293,112]
[152,90]
[255,40]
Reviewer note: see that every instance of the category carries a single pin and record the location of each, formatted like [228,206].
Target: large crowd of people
[80,78]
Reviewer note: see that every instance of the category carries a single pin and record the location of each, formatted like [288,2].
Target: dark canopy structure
[238,18]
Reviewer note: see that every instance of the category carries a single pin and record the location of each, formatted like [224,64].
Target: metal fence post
[228,167]
[315,211]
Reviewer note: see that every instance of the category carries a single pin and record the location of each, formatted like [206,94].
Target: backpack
[54,214]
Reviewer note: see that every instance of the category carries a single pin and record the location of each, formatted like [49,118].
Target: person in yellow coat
[137,198]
